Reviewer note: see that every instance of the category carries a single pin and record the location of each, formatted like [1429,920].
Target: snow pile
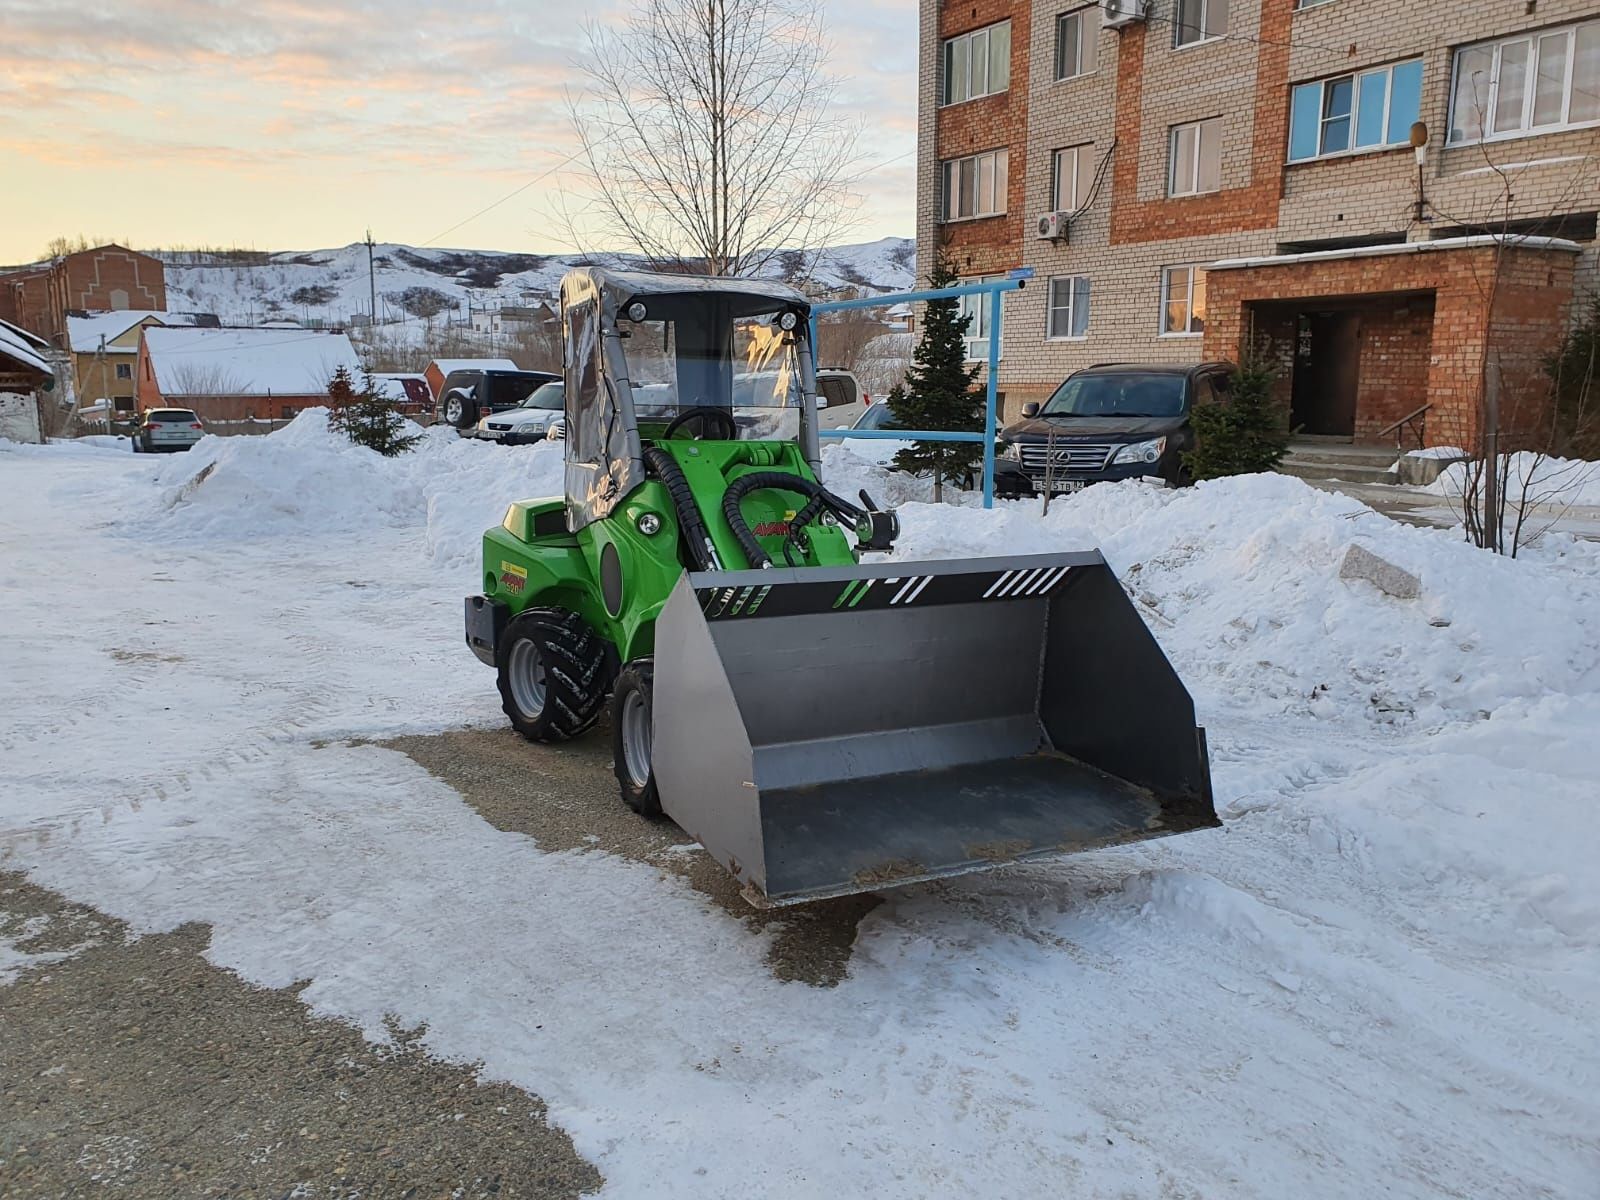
[1238,580]
[307,479]
[1536,479]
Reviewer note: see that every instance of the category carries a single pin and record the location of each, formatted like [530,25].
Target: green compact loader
[821,724]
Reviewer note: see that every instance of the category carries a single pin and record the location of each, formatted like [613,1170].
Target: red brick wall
[1232,209]
[1396,355]
[92,276]
[1529,308]
[990,244]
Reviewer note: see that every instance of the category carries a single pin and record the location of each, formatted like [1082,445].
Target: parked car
[530,421]
[876,450]
[1111,421]
[469,396]
[167,429]
[840,398]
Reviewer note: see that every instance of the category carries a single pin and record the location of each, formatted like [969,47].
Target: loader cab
[653,358]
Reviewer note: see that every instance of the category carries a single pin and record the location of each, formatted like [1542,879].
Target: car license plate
[1068,485]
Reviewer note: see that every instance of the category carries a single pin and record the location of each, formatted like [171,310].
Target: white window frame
[977,307]
[1497,46]
[1212,124]
[1197,274]
[1070,307]
[971,39]
[1355,78]
[1302,5]
[124,370]
[1204,38]
[1080,178]
[1088,42]
[999,164]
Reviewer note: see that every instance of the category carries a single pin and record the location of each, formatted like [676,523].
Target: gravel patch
[137,1069]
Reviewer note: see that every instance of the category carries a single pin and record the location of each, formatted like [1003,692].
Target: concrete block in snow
[1361,563]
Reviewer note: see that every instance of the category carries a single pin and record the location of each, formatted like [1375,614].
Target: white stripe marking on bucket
[926,580]
[1047,581]
[997,583]
[904,588]
[1017,584]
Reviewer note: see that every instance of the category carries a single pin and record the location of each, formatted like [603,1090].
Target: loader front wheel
[551,669]
[631,732]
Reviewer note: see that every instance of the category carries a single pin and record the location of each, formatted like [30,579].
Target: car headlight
[1141,452]
[1011,450]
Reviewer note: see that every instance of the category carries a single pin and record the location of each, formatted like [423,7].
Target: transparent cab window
[757,367]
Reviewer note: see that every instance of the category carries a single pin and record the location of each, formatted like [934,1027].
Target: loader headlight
[1141,452]
[636,312]
[649,524]
[788,320]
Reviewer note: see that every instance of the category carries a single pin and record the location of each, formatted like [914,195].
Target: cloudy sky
[277,124]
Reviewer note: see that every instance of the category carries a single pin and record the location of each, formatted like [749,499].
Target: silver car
[530,421]
[165,429]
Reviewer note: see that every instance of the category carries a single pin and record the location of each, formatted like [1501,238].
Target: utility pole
[372,283]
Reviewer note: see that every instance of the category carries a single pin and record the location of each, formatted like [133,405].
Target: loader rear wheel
[631,731]
[551,670]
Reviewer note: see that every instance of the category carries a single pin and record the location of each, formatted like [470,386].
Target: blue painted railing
[995,289]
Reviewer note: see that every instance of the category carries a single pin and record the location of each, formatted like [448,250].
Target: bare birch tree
[709,134]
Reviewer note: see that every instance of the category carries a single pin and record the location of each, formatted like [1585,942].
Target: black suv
[1111,421]
[469,396]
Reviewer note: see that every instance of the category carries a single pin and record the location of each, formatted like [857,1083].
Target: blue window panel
[1339,95]
[1371,88]
[1305,119]
[1405,101]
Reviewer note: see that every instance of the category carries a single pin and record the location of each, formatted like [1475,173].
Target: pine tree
[366,416]
[939,391]
[1245,433]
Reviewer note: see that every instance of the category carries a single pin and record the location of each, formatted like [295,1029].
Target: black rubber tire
[575,680]
[469,413]
[637,677]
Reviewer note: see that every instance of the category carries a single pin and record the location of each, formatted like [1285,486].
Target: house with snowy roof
[25,370]
[105,344]
[239,380]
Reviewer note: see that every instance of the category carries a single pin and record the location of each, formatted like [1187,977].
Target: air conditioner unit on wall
[1052,226]
[1114,14]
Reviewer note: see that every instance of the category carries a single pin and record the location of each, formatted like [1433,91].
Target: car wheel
[551,673]
[632,736]
[458,412]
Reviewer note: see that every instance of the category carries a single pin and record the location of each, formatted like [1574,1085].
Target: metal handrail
[1422,427]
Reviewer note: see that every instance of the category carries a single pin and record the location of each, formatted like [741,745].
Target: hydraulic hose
[782,480]
[665,468]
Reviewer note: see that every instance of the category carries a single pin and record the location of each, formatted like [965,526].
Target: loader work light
[636,312]
[649,524]
[788,320]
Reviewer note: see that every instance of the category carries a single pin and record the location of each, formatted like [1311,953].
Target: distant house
[440,367]
[410,392]
[25,371]
[104,348]
[239,380]
[40,296]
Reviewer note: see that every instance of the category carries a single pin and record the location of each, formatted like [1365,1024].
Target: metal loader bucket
[825,730]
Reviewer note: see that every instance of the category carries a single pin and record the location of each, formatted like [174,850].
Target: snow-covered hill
[332,286]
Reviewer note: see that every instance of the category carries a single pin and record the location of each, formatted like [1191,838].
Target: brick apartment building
[1238,176]
[39,297]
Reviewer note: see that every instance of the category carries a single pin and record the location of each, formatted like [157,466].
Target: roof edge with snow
[1473,242]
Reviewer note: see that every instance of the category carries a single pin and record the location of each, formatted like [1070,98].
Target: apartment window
[1069,307]
[978,331]
[976,186]
[1183,301]
[1532,84]
[977,63]
[124,370]
[1070,175]
[1077,42]
[1300,4]
[1195,157]
[1363,111]
[1199,21]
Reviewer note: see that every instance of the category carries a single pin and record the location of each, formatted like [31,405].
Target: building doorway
[1327,373]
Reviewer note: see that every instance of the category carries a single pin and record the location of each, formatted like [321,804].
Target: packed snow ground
[1380,977]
